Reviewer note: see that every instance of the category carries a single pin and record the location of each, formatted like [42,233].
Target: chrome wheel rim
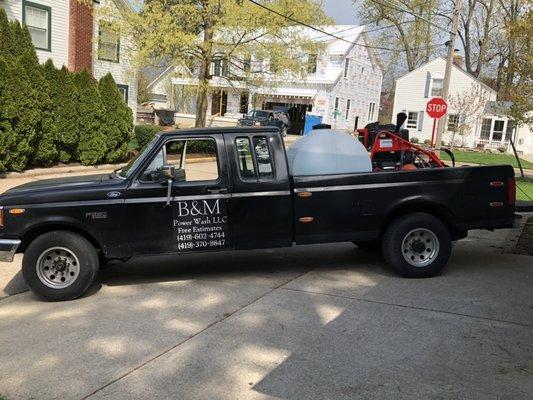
[420,247]
[58,267]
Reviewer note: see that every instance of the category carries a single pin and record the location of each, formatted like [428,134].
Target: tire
[370,246]
[417,245]
[60,265]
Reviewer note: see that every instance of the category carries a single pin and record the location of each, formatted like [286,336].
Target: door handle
[217,191]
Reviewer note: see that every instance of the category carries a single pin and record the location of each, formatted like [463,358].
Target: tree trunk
[203,77]
[201,94]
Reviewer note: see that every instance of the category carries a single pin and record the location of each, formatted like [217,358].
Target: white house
[75,35]
[466,102]
[343,86]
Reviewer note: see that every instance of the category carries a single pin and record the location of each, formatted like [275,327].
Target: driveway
[311,322]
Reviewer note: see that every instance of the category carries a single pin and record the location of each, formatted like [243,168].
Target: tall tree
[400,27]
[92,147]
[25,98]
[223,34]
[118,119]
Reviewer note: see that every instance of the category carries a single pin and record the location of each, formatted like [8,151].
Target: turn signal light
[1,217]
[304,195]
[17,211]
[306,220]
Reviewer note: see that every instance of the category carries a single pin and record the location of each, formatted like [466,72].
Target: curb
[60,170]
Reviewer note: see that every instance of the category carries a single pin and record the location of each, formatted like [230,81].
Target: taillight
[1,217]
[511,191]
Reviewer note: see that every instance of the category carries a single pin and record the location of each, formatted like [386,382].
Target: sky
[342,11]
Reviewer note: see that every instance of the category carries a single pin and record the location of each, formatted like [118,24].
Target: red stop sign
[436,107]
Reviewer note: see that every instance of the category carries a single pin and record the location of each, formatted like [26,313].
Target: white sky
[342,11]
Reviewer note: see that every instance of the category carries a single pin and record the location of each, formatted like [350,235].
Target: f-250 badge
[96,215]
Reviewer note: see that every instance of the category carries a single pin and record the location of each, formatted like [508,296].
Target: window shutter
[428,84]
[420,120]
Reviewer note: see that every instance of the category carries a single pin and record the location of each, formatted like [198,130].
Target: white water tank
[325,151]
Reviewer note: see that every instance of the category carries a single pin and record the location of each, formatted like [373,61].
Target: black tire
[76,249]
[417,229]
[371,246]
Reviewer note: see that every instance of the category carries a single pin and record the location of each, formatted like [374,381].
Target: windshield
[258,114]
[128,169]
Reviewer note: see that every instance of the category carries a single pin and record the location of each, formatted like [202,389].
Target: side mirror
[169,171]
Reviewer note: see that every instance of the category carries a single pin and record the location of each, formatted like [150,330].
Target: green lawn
[476,157]
[526,184]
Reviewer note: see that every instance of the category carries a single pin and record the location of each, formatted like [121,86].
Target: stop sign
[436,107]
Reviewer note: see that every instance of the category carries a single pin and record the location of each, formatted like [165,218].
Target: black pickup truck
[230,189]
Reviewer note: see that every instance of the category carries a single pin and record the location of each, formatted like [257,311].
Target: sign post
[436,108]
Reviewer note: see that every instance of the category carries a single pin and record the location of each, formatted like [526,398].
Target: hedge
[145,133]
[50,115]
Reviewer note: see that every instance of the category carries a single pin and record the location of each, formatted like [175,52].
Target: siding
[121,71]
[60,24]
[411,90]
[361,86]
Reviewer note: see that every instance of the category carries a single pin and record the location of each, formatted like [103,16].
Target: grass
[476,157]
[526,184]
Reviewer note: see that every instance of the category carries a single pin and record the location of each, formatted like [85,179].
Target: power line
[389,4]
[327,33]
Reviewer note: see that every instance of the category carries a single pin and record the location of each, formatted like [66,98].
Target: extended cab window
[195,159]
[261,167]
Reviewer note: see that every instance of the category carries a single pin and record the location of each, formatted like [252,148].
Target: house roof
[349,34]
[455,67]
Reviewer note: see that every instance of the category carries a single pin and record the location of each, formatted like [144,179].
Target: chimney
[80,41]
[457,58]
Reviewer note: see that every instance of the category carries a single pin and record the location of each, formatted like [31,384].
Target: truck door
[197,218]
[261,205]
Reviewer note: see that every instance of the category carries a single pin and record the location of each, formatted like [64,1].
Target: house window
[347,109]
[485,128]
[311,63]
[123,89]
[497,132]
[346,67]
[371,111]
[453,122]
[108,43]
[436,87]
[336,110]
[412,120]
[38,19]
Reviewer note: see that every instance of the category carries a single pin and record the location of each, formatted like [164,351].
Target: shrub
[92,143]
[25,101]
[414,140]
[145,133]
[427,142]
[118,119]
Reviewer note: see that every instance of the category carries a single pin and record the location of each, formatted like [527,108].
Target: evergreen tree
[5,34]
[92,141]
[118,119]
[63,98]
[25,99]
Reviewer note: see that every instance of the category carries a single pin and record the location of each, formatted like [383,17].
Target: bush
[414,140]
[427,142]
[92,147]
[118,120]
[145,133]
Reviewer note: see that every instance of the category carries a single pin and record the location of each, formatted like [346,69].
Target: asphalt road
[311,322]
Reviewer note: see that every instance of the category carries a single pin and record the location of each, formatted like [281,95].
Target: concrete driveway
[312,322]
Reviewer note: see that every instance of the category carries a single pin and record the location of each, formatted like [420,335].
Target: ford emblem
[113,194]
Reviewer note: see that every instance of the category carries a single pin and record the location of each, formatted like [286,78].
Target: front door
[197,217]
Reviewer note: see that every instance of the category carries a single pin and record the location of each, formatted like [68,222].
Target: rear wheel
[60,265]
[417,245]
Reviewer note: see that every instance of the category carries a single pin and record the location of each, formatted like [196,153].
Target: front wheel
[60,265]
[417,245]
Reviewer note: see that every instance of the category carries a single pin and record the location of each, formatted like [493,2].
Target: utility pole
[448,70]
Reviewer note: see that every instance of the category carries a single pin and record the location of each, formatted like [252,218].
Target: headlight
[257,123]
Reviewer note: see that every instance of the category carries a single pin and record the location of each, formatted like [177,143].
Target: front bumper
[8,248]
